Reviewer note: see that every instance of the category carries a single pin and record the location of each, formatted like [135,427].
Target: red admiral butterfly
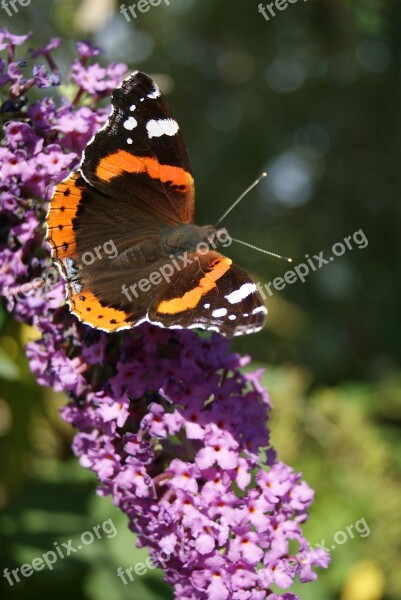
[133,195]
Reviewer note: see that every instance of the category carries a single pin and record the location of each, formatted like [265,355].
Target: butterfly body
[123,235]
[186,237]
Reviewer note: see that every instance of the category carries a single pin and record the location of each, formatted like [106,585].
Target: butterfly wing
[96,266]
[139,156]
[211,293]
[134,180]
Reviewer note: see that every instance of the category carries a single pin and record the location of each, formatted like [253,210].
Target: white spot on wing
[132,107]
[260,309]
[206,306]
[130,123]
[243,292]
[155,93]
[219,312]
[161,127]
[129,141]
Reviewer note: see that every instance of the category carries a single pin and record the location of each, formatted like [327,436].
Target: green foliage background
[312,95]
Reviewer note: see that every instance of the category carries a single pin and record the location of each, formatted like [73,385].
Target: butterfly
[122,232]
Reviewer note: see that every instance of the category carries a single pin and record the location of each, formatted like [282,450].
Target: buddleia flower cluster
[173,426]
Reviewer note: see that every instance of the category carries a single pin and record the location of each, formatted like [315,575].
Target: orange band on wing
[63,209]
[191,299]
[89,310]
[122,161]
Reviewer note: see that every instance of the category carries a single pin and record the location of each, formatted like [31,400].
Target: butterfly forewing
[140,155]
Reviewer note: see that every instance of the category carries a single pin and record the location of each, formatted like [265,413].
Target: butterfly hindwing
[210,293]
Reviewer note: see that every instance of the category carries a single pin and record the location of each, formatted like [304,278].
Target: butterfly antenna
[238,200]
[262,250]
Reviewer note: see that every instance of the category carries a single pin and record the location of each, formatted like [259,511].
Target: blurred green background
[313,97]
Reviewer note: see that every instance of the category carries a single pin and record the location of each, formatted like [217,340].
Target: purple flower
[54,159]
[94,351]
[220,449]
[4,77]
[21,135]
[275,484]
[96,79]
[42,113]
[115,410]
[287,596]
[256,511]
[166,419]
[184,476]
[214,580]
[7,38]
[246,545]
[87,50]
[45,50]
[78,127]
[43,78]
